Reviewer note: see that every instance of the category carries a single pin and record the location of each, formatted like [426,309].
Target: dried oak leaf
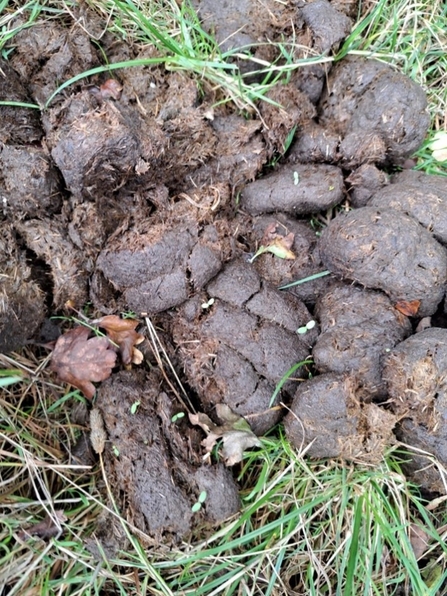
[276,243]
[235,433]
[49,527]
[408,308]
[79,360]
[419,540]
[122,333]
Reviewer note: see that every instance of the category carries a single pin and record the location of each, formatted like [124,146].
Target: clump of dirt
[358,328]
[379,113]
[19,125]
[417,194]
[387,250]
[48,239]
[29,182]
[417,386]
[237,341]
[329,419]
[48,53]
[158,265]
[365,182]
[22,303]
[297,190]
[157,462]
[280,272]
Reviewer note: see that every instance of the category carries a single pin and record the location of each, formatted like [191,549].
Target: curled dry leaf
[45,529]
[122,333]
[98,434]
[408,308]
[235,433]
[418,539]
[111,89]
[278,244]
[79,360]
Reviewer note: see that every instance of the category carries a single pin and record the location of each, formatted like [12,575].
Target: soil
[157,200]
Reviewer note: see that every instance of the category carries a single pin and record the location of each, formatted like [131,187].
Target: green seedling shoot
[198,505]
[134,407]
[307,327]
[178,416]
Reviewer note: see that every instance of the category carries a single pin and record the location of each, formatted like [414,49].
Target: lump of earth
[365,181]
[387,250]
[238,340]
[19,125]
[307,261]
[295,111]
[241,153]
[319,29]
[299,190]
[22,306]
[47,54]
[157,474]
[49,240]
[420,195]
[423,469]
[158,265]
[314,144]
[415,373]
[327,418]
[29,182]
[358,328]
[328,25]
[96,150]
[380,113]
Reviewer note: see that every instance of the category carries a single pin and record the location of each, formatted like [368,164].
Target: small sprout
[207,305]
[134,407]
[302,330]
[331,187]
[296,178]
[116,451]
[198,506]
[178,416]
[129,314]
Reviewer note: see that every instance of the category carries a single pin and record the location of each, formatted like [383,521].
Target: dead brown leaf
[45,529]
[235,433]
[408,308]
[111,89]
[276,243]
[122,333]
[418,540]
[79,360]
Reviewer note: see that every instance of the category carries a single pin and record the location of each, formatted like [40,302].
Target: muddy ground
[146,195]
